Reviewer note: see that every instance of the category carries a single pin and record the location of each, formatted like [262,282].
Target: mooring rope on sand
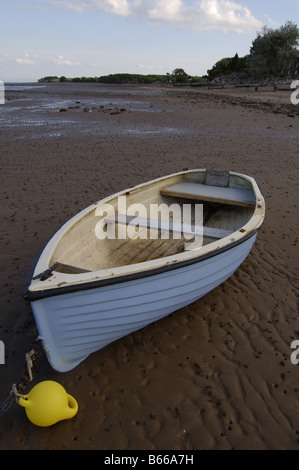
[17,390]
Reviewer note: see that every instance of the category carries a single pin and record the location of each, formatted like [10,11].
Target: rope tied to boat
[18,390]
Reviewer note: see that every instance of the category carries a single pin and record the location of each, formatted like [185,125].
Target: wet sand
[214,375]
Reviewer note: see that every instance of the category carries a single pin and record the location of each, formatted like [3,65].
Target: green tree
[179,76]
[227,66]
[275,51]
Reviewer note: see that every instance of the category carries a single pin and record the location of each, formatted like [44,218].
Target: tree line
[273,52]
[117,78]
[177,76]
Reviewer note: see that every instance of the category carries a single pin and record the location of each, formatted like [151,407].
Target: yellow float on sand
[47,403]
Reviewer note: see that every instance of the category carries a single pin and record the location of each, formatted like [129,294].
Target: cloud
[27,59]
[172,11]
[271,22]
[117,7]
[60,60]
[201,15]
[226,15]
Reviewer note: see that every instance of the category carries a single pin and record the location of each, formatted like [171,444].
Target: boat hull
[77,324]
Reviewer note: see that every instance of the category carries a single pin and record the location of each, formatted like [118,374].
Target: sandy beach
[216,375]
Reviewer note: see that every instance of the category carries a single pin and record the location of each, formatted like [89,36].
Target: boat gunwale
[95,283]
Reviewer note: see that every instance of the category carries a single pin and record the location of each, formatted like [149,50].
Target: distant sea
[20,87]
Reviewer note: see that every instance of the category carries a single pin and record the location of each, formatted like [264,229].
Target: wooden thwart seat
[172,227]
[225,195]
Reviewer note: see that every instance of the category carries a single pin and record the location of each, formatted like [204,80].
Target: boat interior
[109,234]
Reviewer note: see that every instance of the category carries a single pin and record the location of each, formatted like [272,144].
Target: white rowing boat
[106,273]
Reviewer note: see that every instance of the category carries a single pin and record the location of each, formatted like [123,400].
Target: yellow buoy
[47,403]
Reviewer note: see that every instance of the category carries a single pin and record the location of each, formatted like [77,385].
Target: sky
[76,38]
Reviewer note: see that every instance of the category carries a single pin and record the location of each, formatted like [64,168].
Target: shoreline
[214,375]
